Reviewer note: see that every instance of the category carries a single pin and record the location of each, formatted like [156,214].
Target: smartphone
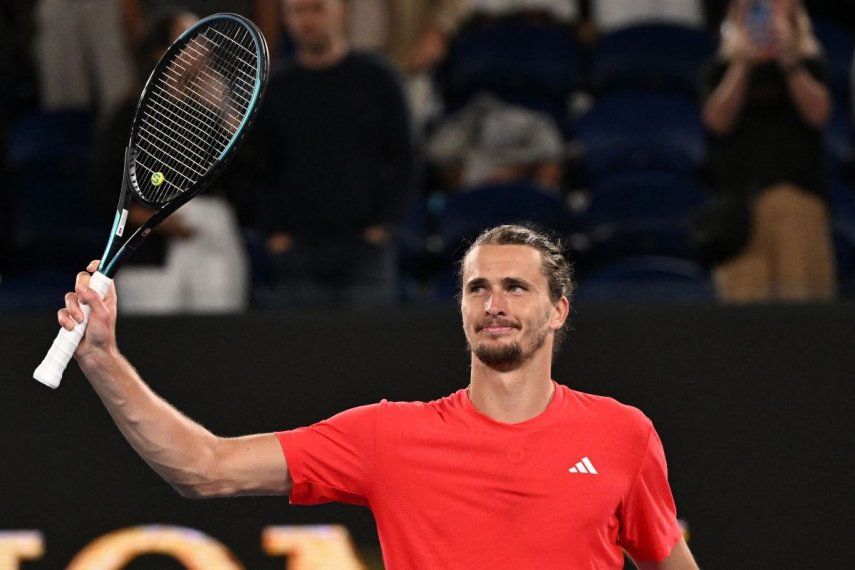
[759,21]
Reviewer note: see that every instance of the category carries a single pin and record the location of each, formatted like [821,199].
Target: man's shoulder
[419,407]
[606,410]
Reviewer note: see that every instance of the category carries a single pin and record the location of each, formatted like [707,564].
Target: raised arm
[189,457]
[679,559]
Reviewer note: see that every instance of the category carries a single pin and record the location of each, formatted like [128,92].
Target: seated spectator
[490,142]
[336,137]
[194,261]
[765,105]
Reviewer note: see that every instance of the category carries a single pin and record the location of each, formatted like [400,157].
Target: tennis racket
[193,113]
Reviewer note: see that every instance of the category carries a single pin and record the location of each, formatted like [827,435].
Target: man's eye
[516,288]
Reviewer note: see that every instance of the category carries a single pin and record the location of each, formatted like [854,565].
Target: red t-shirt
[452,488]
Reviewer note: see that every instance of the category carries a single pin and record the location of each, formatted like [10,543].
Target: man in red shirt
[515,471]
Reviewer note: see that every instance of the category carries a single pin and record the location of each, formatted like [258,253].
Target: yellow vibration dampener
[157,179]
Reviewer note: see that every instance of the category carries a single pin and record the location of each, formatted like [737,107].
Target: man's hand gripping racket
[193,113]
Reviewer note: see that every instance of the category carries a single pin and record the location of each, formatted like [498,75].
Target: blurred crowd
[686,150]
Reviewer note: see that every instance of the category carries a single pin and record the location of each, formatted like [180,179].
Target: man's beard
[509,356]
[506,357]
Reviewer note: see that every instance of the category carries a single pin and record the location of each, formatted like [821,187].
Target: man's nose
[495,304]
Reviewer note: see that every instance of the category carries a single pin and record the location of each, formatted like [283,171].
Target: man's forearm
[177,448]
[724,105]
[811,97]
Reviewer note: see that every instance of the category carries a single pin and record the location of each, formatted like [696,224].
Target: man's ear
[562,311]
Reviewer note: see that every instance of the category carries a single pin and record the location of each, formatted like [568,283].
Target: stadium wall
[754,407]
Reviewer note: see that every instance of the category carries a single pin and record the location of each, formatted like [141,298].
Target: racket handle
[49,372]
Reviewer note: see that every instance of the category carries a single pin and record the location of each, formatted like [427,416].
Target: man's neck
[516,395]
[336,51]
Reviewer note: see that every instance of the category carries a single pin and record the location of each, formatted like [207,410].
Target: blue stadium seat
[414,257]
[636,130]
[467,213]
[53,222]
[528,64]
[842,201]
[647,279]
[839,134]
[52,143]
[651,56]
[642,195]
[34,290]
[637,213]
[838,45]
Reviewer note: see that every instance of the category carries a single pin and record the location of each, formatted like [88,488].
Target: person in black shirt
[336,136]
[766,103]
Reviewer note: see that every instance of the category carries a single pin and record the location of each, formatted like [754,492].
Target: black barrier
[754,407]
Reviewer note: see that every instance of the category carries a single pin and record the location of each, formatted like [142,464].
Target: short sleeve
[648,522]
[331,460]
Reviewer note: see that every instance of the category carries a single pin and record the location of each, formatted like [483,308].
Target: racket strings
[196,107]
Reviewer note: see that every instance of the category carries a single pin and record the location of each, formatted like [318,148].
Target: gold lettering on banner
[321,547]
[194,549]
[18,545]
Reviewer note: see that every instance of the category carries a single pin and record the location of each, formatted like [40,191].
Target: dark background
[754,407]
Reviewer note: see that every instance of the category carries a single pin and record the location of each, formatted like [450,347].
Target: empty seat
[466,214]
[651,56]
[529,64]
[636,130]
[647,279]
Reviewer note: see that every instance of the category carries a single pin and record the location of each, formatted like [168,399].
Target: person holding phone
[765,104]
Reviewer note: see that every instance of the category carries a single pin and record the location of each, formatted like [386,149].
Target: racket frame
[114,254]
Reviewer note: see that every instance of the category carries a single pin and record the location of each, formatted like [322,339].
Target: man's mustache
[495,323]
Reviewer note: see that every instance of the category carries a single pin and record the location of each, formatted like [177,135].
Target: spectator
[492,142]
[195,260]
[336,135]
[82,57]
[415,35]
[766,103]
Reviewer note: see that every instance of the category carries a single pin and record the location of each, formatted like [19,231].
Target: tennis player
[514,471]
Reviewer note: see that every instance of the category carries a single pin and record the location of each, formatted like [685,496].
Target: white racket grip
[49,372]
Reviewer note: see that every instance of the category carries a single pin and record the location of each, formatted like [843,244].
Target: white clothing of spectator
[206,272]
[563,11]
[611,15]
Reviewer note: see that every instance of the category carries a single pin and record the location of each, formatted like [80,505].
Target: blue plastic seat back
[535,65]
[636,130]
[838,46]
[646,279]
[645,195]
[651,56]
[49,173]
[52,143]
[467,213]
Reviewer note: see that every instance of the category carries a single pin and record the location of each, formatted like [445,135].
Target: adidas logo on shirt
[584,466]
